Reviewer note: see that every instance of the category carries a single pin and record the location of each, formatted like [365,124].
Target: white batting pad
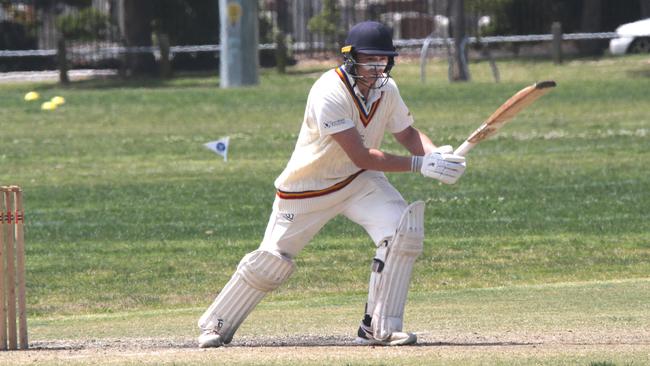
[258,273]
[391,283]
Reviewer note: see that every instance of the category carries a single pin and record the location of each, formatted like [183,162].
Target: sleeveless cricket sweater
[319,173]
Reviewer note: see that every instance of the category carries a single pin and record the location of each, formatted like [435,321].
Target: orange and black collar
[365,117]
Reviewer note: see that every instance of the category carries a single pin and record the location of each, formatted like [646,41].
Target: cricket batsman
[337,167]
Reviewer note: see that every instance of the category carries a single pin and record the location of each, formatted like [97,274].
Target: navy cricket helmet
[370,38]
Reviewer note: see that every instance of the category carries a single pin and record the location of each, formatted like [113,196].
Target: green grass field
[133,226]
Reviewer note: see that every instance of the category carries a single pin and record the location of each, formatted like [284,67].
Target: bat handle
[464,148]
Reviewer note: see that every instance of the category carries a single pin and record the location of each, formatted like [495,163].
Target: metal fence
[30,29]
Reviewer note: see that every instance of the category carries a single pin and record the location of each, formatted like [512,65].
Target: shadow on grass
[207,79]
[639,74]
[180,80]
[309,70]
[536,59]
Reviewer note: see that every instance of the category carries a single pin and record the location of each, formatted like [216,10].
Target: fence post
[165,66]
[62,60]
[556,48]
[281,52]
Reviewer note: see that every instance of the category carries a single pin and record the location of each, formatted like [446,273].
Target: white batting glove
[443,165]
[444,149]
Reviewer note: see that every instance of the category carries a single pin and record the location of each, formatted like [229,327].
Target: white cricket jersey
[319,167]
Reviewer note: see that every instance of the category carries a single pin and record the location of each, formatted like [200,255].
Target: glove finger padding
[451,172]
[444,149]
[458,167]
[447,168]
[453,158]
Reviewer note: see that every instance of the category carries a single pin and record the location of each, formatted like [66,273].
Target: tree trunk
[460,71]
[62,60]
[284,18]
[137,33]
[645,9]
[591,22]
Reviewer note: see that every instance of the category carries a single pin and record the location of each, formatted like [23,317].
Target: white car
[632,38]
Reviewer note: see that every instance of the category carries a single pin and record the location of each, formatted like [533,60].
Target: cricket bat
[504,114]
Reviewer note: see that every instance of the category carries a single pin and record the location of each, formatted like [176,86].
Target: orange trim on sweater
[321,192]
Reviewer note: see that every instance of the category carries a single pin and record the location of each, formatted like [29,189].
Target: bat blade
[505,113]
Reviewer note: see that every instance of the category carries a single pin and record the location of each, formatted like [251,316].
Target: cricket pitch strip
[475,348]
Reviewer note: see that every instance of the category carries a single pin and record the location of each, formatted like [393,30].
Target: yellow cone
[32,95]
[58,100]
[48,106]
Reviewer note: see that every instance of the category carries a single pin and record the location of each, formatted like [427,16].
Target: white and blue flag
[220,147]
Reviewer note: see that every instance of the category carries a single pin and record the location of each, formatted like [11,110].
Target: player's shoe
[365,337]
[210,339]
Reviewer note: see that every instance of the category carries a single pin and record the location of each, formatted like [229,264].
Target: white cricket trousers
[377,206]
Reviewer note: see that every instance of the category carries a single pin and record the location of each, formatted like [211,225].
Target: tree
[187,21]
[645,8]
[138,15]
[326,23]
[592,15]
[460,71]
[88,24]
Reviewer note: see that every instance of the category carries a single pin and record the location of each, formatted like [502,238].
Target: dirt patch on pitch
[567,337]
[312,349]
